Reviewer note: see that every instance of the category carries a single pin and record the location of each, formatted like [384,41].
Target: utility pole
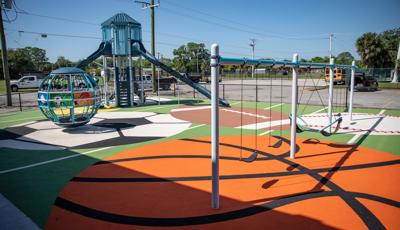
[151,5]
[330,45]
[252,45]
[6,72]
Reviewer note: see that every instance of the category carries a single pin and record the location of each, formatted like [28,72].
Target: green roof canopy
[120,19]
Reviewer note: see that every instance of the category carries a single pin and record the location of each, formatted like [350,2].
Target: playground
[150,167]
[271,154]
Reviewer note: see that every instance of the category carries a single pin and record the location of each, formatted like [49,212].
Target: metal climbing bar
[245,61]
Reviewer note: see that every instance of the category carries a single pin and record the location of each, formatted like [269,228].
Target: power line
[44,35]
[268,34]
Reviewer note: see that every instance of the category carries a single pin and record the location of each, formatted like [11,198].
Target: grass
[389,85]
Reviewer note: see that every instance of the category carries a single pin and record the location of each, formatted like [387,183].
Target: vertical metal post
[114,49]
[105,78]
[194,93]
[20,103]
[215,125]
[158,87]
[131,91]
[294,108]
[353,73]
[223,91]
[142,83]
[330,45]
[330,99]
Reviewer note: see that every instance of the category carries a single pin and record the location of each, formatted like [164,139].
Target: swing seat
[306,127]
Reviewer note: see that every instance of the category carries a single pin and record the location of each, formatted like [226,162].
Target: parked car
[365,82]
[25,82]
[147,82]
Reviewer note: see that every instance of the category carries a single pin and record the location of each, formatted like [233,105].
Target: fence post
[214,126]
[223,91]
[294,108]
[175,89]
[20,103]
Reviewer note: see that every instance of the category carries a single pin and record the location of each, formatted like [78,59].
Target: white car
[147,82]
[25,82]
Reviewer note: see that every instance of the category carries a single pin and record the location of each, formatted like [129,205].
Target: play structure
[122,41]
[297,124]
[69,97]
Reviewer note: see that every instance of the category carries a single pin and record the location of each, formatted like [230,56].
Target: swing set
[297,123]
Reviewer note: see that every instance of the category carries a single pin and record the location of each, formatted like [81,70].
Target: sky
[280,27]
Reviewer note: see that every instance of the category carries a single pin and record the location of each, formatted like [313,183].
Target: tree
[344,58]
[390,40]
[37,56]
[371,48]
[320,59]
[62,62]
[191,57]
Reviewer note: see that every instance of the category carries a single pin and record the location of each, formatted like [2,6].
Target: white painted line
[54,160]
[197,126]
[246,113]
[235,103]
[151,108]
[355,138]
[23,119]
[273,106]
[320,110]
[266,124]
[266,132]
[191,108]
[382,111]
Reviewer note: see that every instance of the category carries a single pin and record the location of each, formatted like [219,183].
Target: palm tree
[371,49]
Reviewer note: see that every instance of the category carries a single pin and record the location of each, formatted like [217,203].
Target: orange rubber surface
[168,185]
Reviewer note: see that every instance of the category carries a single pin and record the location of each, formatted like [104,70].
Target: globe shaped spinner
[69,97]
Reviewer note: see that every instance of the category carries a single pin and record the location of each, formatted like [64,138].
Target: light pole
[252,45]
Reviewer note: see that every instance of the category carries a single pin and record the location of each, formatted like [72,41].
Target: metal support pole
[330,100]
[153,44]
[353,73]
[252,45]
[215,126]
[223,91]
[131,92]
[294,108]
[141,79]
[194,93]
[395,74]
[158,87]
[330,45]
[106,77]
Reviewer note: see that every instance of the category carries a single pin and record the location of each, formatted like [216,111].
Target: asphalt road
[231,90]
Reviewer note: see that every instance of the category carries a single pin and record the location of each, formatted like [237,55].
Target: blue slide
[138,46]
[104,49]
